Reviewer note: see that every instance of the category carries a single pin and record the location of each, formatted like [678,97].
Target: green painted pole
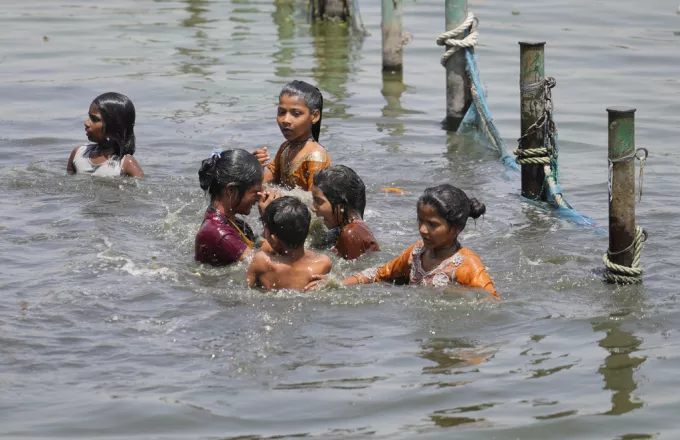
[392,43]
[458,96]
[622,197]
[532,105]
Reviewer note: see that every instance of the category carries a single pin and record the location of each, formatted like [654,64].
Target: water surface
[109,330]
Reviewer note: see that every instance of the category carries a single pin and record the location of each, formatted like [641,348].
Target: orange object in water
[393,190]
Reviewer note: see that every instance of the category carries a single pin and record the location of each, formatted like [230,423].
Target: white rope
[448,38]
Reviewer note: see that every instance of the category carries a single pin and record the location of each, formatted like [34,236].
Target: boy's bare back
[273,271]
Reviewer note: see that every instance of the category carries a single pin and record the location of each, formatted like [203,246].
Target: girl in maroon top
[339,198]
[233,178]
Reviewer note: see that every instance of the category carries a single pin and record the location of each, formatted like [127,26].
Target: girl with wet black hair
[300,156]
[339,198]
[110,130]
[233,179]
[438,259]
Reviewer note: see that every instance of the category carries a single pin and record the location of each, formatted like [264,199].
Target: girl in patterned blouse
[438,259]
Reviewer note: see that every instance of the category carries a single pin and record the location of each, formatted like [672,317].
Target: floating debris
[46,38]
[515,12]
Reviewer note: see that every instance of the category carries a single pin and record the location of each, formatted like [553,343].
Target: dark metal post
[392,43]
[532,106]
[458,96]
[622,180]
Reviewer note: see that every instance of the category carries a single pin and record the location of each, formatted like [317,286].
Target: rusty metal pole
[458,96]
[532,106]
[392,43]
[622,185]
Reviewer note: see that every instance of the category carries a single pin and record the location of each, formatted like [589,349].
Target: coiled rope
[468,29]
[615,273]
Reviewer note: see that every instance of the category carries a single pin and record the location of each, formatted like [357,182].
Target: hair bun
[206,174]
[477,208]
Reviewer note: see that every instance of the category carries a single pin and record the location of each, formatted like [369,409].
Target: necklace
[246,240]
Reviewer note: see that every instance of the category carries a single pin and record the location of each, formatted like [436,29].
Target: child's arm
[256,269]
[70,168]
[272,171]
[473,273]
[131,167]
[400,267]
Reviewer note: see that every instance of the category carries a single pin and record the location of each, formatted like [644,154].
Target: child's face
[294,118]
[434,230]
[322,208]
[250,197]
[94,126]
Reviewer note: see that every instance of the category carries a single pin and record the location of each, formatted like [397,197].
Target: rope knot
[468,29]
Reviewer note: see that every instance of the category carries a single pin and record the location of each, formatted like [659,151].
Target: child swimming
[110,129]
[233,178]
[339,198]
[301,156]
[288,265]
[438,259]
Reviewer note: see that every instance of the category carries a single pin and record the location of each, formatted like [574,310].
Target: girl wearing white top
[110,130]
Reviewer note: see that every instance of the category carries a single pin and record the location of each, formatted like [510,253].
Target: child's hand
[266,197]
[262,156]
[317,282]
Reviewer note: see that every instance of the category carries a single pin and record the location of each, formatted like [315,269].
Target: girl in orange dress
[438,259]
[301,156]
[339,198]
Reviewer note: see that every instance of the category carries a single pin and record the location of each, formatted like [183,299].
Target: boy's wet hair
[235,166]
[287,218]
[343,188]
[312,98]
[118,116]
[452,204]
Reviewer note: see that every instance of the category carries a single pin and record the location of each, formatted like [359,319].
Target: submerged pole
[329,9]
[622,190]
[458,96]
[532,106]
[392,43]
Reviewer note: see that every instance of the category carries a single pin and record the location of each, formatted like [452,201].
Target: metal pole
[392,44]
[622,174]
[532,106]
[457,84]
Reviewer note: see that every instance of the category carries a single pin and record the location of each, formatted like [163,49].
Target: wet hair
[343,188]
[452,204]
[235,166]
[312,98]
[287,218]
[118,117]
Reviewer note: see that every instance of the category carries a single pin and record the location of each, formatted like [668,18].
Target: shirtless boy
[288,265]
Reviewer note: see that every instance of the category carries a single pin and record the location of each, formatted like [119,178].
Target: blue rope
[479,116]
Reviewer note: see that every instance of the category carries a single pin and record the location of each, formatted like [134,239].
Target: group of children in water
[234,179]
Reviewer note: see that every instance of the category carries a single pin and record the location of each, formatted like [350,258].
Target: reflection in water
[450,353]
[196,9]
[334,52]
[619,366]
[392,89]
[197,60]
[284,21]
